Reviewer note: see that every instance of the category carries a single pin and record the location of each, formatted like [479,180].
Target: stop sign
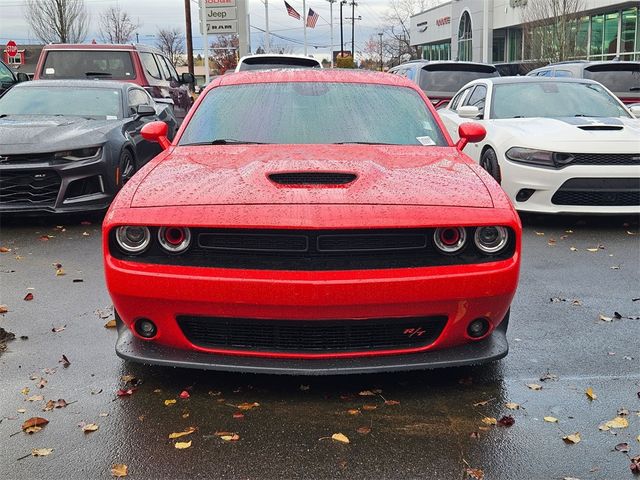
[12,48]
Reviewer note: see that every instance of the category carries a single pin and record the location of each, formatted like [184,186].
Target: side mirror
[468,111]
[470,133]
[635,110]
[22,77]
[145,111]
[187,78]
[156,132]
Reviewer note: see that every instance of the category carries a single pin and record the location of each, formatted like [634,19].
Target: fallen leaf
[638,438]
[474,435]
[635,465]
[622,411]
[125,392]
[391,402]
[576,303]
[184,394]
[119,470]
[366,393]
[548,376]
[540,234]
[42,383]
[60,403]
[25,391]
[551,419]
[363,430]
[90,427]
[183,445]
[604,318]
[188,431]
[248,406]
[369,407]
[4,309]
[534,386]
[85,234]
[4,250]
[506,421]
[339,437]
[589,392]
[353,411]
[552,242]
[483,403]
[592,249]
[170,402]
[572,439]
[110,324]
[489,421]
[58,329]
[618,422]
[474,473]
[304,388]
[573,249]
[21,410]
[60,272]
[622,447]
[34,424]
[28,297]
[35,398]
[234,437]
[512,406]
[238,415]
[64,361]
[41,452]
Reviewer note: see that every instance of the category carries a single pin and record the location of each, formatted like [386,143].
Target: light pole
[342,3]
[381,62]
[353,26]
[331,2]
[267,45]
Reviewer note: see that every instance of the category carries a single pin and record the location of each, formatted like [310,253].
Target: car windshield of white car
[313,113]
[553,99]
[75,101]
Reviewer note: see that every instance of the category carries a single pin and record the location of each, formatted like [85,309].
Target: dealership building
[496,31]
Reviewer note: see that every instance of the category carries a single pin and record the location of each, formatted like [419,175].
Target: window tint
[108,64]
[265,63]
[620,78]
[410,73]
[452,77]
[544,73]
[563,73]
[313,113]
[5,74]
[150,65]
[163,67]
[478,97]
[457,101]
[167,68]
[172,70]
[137,97]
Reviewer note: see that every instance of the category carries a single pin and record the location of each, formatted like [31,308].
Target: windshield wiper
[225,141]
[364,143]
[97,74]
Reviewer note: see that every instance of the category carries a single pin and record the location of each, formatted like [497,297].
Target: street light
[381,62]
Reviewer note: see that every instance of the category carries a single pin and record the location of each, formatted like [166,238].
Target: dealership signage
[218,16]
[443,21]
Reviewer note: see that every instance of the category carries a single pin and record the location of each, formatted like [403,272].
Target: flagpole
[331,2]
[267,45]
[304,19]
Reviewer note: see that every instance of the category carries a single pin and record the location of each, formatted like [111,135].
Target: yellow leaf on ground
[25,391]
[475,473]
[551,419]
[339,437]
[110,324]
[366,393]
[170,402]
[182,445]
[119,470]
[90,427]
[534,386]
[60,272]
[41,452]
[188,431]
[248,406]
[234,437]
[572,439]
[369,407]
[353,411]
[618,422]
[512,406]
[592,249]
[638,438]
[590,394]
[489,421]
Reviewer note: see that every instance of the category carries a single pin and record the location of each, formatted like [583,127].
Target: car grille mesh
[598,192]
[311,336]
[312,178]
[29,188]
[606,159]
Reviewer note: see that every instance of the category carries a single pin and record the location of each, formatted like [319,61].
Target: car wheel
[489,161]
[127,166]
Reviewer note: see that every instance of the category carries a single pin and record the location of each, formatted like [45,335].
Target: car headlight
[491,239]
[80,154]
[133,239]
[541,158]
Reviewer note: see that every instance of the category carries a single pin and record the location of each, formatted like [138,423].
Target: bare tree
[116,26]
[551,28]
[171,42]
[224,53]
[397,38]
[58,21]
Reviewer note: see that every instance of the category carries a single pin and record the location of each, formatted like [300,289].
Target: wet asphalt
[430,427]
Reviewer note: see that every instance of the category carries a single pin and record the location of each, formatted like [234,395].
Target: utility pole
[342,2]
[187,17]
[381,61]
[331,2]
[304,19]
[267,45]
[353,26]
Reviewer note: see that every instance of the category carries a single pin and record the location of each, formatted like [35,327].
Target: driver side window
[477,99]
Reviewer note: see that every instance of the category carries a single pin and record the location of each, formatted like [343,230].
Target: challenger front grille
[311,336]
[29,188]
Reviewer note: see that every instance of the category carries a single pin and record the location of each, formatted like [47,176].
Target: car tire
[489,161]
[127,166]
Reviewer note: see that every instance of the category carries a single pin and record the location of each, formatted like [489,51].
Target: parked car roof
[101,46]
[75,83]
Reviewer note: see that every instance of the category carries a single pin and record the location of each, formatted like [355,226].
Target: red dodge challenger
[312,222]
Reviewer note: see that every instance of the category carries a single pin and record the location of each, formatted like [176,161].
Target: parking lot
[574,326]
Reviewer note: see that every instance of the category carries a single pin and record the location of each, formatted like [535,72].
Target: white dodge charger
[556,145]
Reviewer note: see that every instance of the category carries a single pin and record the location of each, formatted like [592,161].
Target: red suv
[139,64]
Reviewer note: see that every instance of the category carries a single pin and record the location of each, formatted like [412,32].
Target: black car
[8,78]
[68,146]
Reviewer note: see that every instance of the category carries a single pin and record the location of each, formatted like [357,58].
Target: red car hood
[386,175]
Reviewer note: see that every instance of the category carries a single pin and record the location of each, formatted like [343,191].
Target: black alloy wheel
[489,161]
[127,166]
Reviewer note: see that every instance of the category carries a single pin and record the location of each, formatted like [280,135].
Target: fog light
[478,328]
[146,328]
[524,194]
[450,239]
[133,239]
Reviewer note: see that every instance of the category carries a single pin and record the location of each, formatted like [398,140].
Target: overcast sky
[152,14]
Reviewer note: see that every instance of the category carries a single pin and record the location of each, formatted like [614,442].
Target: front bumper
[490,349]
[56,187]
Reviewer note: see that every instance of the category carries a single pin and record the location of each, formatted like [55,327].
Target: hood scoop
[600,127]
[312,178]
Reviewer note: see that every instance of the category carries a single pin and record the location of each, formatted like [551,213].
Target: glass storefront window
[628,39]
[499,42]
[465,49]
[515,45]
[610,37]
[597,29]
[582,37]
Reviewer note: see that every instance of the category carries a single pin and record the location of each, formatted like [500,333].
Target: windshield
[111,64]
[621,78]
[319,112]
[452,77]
[553,99]
[85,102]
[265,63]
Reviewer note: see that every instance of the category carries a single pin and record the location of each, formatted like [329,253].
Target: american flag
[291,11]
[312,18]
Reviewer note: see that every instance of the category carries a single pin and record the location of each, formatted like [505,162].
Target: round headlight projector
[133,239]
[491,239]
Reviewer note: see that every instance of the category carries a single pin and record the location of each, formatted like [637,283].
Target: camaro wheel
[489,162]
[127,166]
